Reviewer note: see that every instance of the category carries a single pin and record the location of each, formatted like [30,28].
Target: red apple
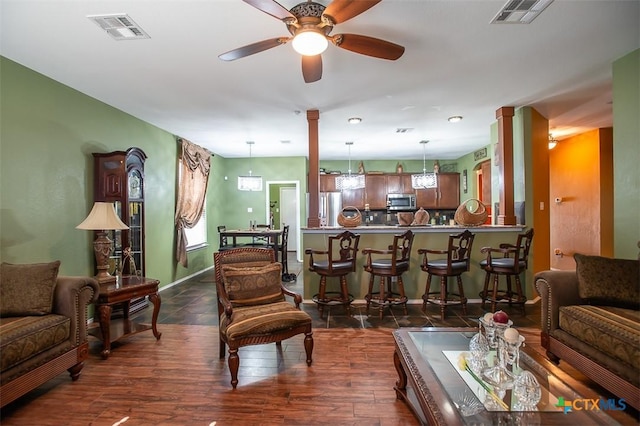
[501,317]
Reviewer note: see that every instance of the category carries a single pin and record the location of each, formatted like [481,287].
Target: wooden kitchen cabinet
[376,191]
[399,183]
[445,196]
[449,190]
[353,198]
[327,183]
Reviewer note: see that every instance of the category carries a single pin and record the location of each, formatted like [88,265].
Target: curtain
[192,189]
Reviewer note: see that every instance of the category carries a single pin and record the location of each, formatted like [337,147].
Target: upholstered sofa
[591,320]
[43,326]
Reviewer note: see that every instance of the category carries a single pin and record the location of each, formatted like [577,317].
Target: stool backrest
[523,244]
[401,247]
[460,248]
[345,245]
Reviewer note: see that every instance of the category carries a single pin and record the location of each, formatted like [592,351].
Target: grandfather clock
[119,178]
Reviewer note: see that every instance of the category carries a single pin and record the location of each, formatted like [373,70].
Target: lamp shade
[101,218]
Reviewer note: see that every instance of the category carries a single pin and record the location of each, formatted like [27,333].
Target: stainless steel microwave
[398,202]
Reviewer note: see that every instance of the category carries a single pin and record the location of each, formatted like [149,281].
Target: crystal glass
[498,375]
[512,349]
[527,391]
[479,348]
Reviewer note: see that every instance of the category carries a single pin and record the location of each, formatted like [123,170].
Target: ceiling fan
[310,25]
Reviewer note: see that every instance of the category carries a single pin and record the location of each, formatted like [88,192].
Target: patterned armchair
[252,305]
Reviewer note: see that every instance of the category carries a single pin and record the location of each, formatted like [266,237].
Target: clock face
[135,184]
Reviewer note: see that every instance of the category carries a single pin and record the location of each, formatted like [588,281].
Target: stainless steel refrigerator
[330,207]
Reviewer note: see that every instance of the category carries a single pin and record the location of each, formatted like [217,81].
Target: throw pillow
[27,289]
[606,281]
[254,285]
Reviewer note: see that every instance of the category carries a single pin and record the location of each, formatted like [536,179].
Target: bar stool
[387,269]
[455,264]
[513,261]
[338,260]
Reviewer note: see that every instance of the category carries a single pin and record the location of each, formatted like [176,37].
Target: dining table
[271,236]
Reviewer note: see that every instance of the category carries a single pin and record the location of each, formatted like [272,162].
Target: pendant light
[250,182]
[425,180]
[349,181]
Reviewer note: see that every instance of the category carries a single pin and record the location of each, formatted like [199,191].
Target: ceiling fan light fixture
[309,42]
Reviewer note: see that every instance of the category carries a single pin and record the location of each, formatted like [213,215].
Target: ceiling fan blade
[369,46]
[343,10]
[271,7]
[311,68]
[253,48]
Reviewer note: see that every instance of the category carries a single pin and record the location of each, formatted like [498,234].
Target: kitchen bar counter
[432,237]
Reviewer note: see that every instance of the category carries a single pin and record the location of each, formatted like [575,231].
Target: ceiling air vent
[119,26]
[404,129]
[520,11]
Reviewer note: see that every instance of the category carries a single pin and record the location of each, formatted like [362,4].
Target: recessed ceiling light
[454,119]
[355,120]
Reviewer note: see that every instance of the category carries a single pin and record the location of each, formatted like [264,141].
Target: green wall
[626,156]
[49,132]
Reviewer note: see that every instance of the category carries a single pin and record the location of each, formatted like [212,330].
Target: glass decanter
[527,391]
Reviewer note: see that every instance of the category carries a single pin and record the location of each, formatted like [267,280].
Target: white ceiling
[455,63]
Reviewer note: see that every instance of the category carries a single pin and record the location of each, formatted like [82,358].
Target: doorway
[283,201]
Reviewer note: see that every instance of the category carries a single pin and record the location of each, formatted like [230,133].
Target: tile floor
[194,302]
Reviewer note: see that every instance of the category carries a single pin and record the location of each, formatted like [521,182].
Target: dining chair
[223,240]
[283,249]
[452,262]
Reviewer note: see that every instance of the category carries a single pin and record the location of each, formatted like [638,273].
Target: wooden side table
[125,289]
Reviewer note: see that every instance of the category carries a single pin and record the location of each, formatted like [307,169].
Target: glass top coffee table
[436,391]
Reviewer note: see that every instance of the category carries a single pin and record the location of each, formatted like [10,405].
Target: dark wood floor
[179,380]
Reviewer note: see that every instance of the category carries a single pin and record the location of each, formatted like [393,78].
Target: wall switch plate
[249,210]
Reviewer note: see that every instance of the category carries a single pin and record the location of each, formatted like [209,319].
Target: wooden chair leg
[382,297]
[425,296]
[494,298]
[402,295]
[521,298]
[463,299]
[234,364]
[322,294]
[308,345]
[485,291]
[509,291]
[370,292]
[443,295]
[345,294]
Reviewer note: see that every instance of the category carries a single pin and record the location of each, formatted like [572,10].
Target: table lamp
[102,218]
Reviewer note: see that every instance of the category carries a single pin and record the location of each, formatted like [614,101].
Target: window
[197,236]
